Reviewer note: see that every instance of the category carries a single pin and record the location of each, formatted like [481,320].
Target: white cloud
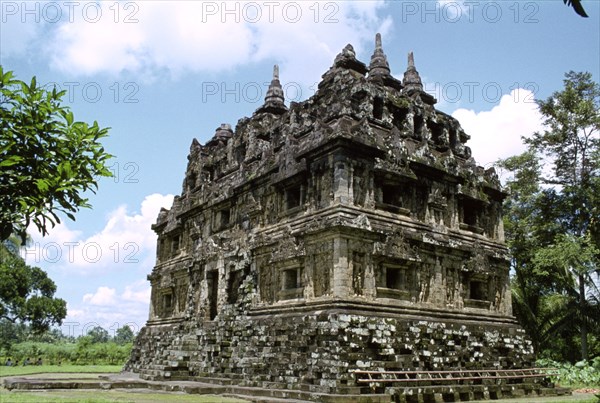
[109,308]
[137,292]
[195,36]
[103,296]
[497,133]
[125,242]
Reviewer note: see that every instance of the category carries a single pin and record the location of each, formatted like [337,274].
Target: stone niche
[350,231]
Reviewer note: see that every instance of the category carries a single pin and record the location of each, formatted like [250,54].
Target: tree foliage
[552,222]
[98,335]
[124,335]
[577,6]
[47,159]
[27,294]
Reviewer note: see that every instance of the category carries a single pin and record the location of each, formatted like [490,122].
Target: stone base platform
[212,386]
[132,381]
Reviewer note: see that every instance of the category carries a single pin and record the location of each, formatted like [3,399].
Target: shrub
[583,373]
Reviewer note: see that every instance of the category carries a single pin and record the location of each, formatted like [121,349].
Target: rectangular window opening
[222,219]
[293,197]
[418,126]
[212,279]
[391,195]
[290,279]
[175,244]
[167,304]
[395,278]
[399,117]
[377,107]
[470,212]
[233,286]
[477,290]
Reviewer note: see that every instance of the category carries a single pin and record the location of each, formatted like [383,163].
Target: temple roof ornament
[346,59]
[412,82]
[274,100]
[412,79]
[379,65]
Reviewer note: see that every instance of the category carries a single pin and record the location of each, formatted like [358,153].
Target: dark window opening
[167,304]
[470,212]
[191,181]
[168,301]
[233,286]
[212,279]
[391,195]
[399,117]
[436,134]
[223,219]
[394,278]
[377,107]
[208,173]
[293,197]
[453,138]
[477,290]
[175,244]
[418,126]
[290,279]
[290,284]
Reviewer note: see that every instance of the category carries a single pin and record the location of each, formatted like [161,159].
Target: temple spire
[274,100]
[412,80]
[379,65]
[411,60]
[275,91]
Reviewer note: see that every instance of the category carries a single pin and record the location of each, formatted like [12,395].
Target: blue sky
[161,73]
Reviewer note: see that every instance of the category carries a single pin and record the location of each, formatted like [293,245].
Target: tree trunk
[582,302]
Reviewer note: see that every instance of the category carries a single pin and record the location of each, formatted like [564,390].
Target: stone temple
[349,231]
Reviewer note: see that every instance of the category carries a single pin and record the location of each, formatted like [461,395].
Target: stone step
[458,393]
[218,380]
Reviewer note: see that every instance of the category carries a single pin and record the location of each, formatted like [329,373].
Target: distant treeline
[97,347]
[82,352]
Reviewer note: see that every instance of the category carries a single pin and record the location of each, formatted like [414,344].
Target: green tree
[47,159]
[124,335]
[27,294]
[98,335]
[552,224]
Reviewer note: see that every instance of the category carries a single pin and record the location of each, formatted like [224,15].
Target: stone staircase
[459,385]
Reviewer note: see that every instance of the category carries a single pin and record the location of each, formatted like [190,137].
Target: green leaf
[11,160]
[42,185]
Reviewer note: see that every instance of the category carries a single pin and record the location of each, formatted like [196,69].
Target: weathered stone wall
[316,351]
